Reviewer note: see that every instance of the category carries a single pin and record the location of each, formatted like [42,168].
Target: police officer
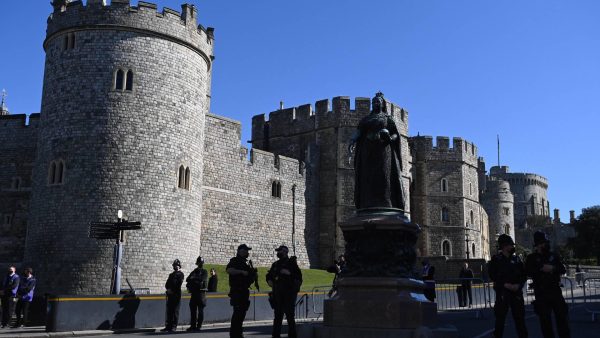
[507,271]
[241,276]
[8,293]
[285,278]
[173,290]
[197,285]
[545,268]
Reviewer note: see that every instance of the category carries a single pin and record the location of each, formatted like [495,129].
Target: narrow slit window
[129,81]
[71,41]
[181,177]
[445,217]
[51,172]
[58,179]
[472,217]
[187,178]
[274,189]
[444,185]
[446,249]
[119,78]
[278,189]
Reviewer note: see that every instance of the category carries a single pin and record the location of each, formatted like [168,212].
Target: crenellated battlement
[286,166]
[519,178]
[423,148]
[178,26]
[19,121]
[325,113]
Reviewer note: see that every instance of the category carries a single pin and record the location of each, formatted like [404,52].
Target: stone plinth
[385,303]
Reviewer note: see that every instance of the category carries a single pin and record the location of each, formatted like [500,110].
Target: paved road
[466,323]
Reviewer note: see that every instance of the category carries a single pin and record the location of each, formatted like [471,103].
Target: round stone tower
[125,94]
[498,202]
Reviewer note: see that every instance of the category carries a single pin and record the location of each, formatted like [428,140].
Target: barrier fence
[462,294]
[591,296]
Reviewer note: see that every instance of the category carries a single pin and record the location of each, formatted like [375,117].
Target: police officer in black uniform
[285,278]
[173,290]
[241,276]
[545,268]
[507,271]
[196,283]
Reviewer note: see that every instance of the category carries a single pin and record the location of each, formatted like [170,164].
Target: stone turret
[126,90]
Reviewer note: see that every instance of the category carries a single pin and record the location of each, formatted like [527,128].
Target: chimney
[572,216]
[556,216]
[280,105]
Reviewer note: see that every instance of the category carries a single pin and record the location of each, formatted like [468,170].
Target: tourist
[173,290]
[285,278]
[508,274]
[25,297]
[466,276]
[427,275]
[197,286]
[10,286]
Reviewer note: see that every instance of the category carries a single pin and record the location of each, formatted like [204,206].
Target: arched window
[445,216]
[473,250]
[444,185]
[129,81]
[60,169]
[507,229]
[187,178]
[472,217]
[51,172]
[446,248]
[181,177]
[274,189]
[119,79]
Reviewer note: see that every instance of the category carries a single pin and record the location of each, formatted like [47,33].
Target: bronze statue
[377,160]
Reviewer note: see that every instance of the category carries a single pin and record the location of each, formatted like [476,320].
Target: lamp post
[467,240]
[118,254]
[294,219]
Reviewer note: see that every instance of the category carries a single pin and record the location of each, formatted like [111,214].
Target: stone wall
[122,148]
[446,182]
[238,206]
[18,142]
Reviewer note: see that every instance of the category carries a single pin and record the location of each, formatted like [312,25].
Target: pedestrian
[507,271]
[241,277]
[213,281]
[25,297]
[337,268]
[545,267]
[285,278]
[466,276]
[173,290]
[10,286]
[427,275]
[197,282]
[578,274]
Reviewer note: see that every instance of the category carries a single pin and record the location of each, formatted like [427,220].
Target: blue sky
[527,70]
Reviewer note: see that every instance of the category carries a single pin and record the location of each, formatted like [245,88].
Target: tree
[586,243]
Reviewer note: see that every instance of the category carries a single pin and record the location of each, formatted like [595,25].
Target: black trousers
[284,303]
[514,301]
[173,302]
[240,300]
[466,291]
[197,304]
[8,309]
[544,305]
[22,312]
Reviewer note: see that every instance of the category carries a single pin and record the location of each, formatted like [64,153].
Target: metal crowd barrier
[462,294]
[591,295]
[302,307]
[567,286]
[318,296]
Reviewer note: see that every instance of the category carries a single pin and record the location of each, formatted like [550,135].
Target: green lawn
[311,278]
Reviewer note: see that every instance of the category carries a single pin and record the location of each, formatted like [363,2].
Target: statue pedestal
[377,296]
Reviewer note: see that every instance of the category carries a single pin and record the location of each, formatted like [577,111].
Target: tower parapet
[460,149]
[180,27]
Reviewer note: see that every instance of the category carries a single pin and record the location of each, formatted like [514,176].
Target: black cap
[540,237]
[199,260]
[244,246]
[282,247]
[177,263]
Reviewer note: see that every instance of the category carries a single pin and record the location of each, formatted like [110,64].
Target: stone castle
[125,125]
